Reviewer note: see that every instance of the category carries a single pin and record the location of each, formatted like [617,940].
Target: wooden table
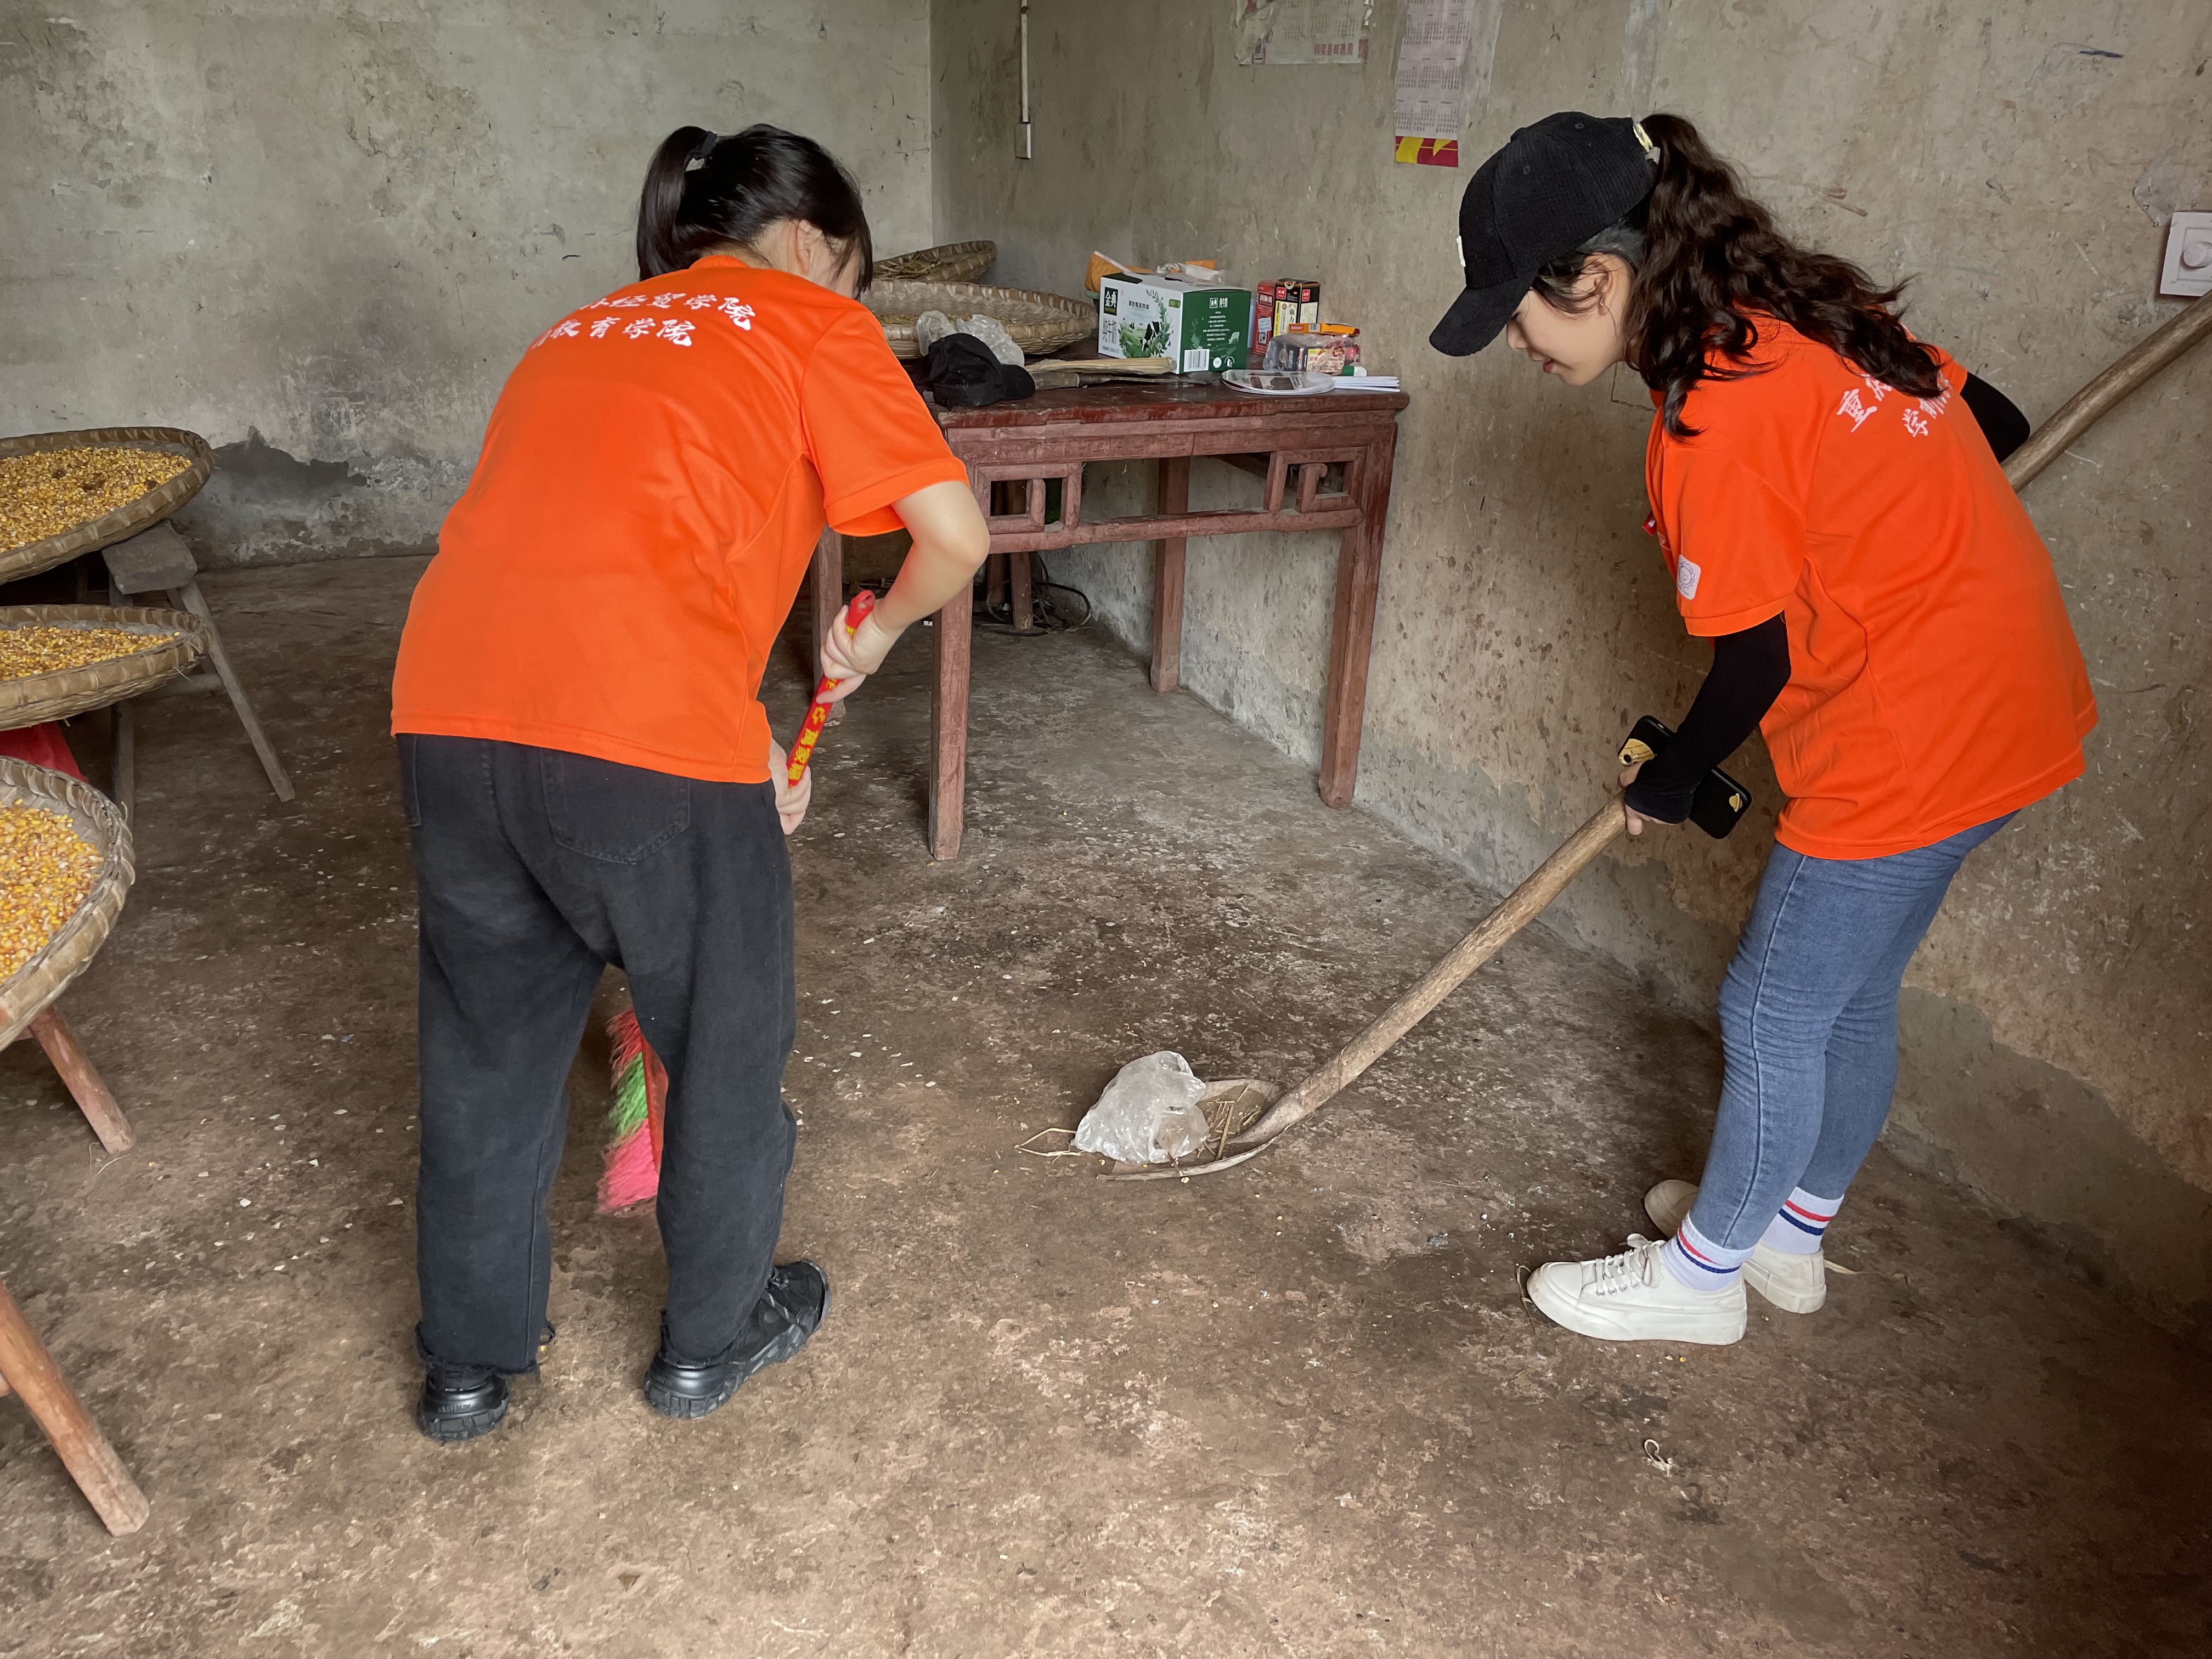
[1299,445]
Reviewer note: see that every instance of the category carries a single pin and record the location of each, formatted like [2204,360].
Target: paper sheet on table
[1444,68]
[1302,31]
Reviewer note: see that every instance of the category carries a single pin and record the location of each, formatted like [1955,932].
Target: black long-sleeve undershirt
[1997,415]
[1749,670]
[1751,667]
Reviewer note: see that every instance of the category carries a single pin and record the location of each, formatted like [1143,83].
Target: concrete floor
[1299,1409]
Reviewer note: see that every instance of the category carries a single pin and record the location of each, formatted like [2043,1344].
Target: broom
[632,1172]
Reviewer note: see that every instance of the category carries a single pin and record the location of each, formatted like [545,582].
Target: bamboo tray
[127,519]
[26,993]
[37,697]
[951,262]
[1039,322]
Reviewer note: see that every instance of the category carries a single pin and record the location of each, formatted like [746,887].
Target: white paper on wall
[1279,32]
[1432,80]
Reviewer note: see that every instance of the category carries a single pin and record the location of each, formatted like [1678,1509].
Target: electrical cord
[1046,616]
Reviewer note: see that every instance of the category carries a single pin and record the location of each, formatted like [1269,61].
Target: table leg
[1167,578]
[1352,630]
[828,594]
[84,1451]
[948,725]
[824,600]
[1017,581]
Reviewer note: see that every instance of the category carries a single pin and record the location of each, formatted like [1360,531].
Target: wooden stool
[27,1369]
[81,1081]
[156,561]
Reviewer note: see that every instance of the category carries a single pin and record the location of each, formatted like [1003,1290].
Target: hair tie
[700,151]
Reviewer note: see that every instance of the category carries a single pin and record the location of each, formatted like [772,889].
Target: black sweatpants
[533,869]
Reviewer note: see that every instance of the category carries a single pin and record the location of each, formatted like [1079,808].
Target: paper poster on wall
[1279,32]
[1436,81]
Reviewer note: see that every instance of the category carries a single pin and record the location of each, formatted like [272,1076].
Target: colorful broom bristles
[632,1174]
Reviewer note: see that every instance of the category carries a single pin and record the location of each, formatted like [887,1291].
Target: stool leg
[82,1082]
[188,597]
[84,1451]
[123,771]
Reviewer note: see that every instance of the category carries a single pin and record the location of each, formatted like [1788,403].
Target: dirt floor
[1299,1409]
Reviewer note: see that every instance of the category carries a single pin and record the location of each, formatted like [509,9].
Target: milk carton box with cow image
[1197,327]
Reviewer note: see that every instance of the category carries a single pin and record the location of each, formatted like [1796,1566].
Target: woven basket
[954,262]
[24,993]
[66,691]
[125,520]
[1039,322]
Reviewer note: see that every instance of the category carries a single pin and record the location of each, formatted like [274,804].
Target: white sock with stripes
[1695,1260]
[1804,1219]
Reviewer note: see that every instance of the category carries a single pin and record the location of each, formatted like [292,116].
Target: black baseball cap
[1552,187]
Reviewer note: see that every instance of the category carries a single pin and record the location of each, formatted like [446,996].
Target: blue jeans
[1808,1022]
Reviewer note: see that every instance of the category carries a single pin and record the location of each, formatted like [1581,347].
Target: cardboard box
[1198,328]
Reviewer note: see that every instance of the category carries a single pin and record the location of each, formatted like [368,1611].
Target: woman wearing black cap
[1878,603]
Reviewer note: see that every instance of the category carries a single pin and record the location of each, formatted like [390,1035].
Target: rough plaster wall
[2022,159]
[321,235]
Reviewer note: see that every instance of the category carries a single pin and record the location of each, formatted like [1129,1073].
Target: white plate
[1279,382]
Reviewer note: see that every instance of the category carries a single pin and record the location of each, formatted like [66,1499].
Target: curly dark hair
[1708,264]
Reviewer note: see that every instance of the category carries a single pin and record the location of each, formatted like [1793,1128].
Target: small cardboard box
[1198,328]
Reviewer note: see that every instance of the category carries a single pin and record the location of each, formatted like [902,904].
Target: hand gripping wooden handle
[818,712]
[1518,908]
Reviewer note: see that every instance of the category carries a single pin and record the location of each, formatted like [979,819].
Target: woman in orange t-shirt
[1826,493]
[586,768]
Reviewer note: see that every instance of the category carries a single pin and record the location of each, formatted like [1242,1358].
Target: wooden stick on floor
[83,1083]
[84,1451]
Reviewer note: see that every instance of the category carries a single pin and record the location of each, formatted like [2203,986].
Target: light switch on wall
[2188,256]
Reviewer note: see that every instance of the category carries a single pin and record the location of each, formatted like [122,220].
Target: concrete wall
[320,235]
[2022,159]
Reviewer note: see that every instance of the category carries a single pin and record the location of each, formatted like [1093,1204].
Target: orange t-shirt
[655,475]
[1935,683]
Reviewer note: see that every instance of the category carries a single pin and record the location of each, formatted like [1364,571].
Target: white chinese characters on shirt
[1915,414]
[675,330]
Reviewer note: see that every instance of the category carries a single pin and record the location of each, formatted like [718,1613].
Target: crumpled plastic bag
[1149,1112]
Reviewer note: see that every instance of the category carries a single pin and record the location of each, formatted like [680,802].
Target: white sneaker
[1632,1297]
[1794,1284]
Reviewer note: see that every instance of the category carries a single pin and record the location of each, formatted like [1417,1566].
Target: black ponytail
[702,192]
[1709,260]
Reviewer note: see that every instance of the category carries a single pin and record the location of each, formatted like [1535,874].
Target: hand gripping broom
[632,1172]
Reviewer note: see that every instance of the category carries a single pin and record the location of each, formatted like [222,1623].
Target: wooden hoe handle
[2087,406]
[1518,908]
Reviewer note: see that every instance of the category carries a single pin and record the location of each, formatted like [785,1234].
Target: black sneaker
[791,1308]
[460,1402]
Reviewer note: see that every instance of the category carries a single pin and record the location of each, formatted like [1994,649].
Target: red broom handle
[802,749]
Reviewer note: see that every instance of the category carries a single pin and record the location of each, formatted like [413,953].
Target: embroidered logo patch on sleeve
[1685,578]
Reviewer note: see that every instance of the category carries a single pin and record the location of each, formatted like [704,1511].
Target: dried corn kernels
[46,868]
[50,491]
[43,648]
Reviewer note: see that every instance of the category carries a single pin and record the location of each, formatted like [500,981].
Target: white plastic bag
[1149,1112]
